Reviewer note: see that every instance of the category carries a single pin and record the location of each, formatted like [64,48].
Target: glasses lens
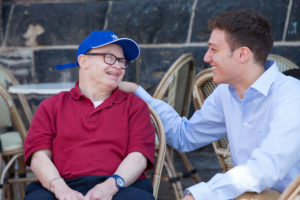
[110,59]
[123,62]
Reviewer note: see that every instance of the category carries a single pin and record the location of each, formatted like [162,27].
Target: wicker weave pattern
[283,63]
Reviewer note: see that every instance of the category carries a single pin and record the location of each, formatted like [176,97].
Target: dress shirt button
[246,123]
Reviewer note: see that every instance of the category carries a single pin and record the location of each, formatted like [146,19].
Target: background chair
[7,79]
[203,86]
[292,192]
[11,140]
[161,150]
[175,88]
[283,63]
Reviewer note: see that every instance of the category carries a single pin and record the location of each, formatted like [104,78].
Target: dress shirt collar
[264,82]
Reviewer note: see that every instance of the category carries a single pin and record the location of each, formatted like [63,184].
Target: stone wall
[36,35]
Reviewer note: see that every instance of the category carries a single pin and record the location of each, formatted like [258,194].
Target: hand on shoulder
[128,86]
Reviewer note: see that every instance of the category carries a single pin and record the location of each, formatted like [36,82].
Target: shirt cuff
[143,94]
[200,191]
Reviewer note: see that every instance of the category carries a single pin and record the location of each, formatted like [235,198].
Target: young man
[95,141]
[255,106]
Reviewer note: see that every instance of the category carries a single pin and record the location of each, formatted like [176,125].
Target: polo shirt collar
[117,96]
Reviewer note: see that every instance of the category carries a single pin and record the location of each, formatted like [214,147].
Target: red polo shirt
[88,141]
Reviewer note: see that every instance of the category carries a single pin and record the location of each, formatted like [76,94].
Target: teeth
[213,68]
[113,74]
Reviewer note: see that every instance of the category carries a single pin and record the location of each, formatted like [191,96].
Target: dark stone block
[19,62]
[289,52]
[45,61]
[206,9]
[54,23]
[154,62]
[5,10]
[293,32]
[152,21]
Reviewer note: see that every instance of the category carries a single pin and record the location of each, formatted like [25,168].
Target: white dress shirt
[263,131]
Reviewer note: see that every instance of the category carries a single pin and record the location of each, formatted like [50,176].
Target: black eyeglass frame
[126,63]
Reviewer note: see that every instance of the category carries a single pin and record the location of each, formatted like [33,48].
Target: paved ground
[206,163]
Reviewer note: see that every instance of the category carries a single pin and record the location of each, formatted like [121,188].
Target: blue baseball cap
[101,38]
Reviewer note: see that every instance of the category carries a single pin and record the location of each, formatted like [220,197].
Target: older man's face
[101,72]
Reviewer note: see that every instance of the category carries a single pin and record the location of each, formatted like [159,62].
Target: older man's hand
[128,86]
[103,191]
[188,197]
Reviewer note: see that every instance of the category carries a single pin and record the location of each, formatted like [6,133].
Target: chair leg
[189,167]
[176,183]
[21,174]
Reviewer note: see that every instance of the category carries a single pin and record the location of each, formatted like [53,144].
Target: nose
[118,65]
[207,56]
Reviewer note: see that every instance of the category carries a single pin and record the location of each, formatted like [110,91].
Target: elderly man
[95,141]
[255,106]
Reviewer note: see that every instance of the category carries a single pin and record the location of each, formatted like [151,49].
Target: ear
[245,54]
[83,61]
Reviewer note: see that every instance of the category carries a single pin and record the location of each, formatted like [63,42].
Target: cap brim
[130,48]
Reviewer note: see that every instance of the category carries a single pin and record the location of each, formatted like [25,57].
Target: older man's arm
[46,172]
[129,169]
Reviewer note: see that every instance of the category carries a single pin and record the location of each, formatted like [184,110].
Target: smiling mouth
[113,74]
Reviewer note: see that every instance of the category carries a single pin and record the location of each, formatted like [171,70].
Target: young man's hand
[128,86]
[188,197]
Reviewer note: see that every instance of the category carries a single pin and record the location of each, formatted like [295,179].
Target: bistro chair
[292,192]
[161,150]
[11,140]
[203,86]
[283,63]
[175,88]
[7,79]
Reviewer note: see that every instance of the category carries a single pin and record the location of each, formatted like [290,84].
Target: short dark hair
[245,27]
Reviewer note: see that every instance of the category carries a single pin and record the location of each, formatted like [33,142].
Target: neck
[93,91]
[249,75]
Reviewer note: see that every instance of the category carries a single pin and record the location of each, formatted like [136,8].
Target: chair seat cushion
[10,141]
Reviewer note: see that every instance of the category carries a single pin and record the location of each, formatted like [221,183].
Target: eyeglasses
[111,59]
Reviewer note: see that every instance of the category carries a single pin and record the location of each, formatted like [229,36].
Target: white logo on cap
[114,37]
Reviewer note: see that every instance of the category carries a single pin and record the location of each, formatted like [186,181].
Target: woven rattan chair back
[283,63]
[11,140]
[161,150]
[176,85]
[175,88]
[292,192]
[7,79]
[203,86]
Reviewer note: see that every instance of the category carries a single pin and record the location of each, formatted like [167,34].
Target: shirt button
[246,123]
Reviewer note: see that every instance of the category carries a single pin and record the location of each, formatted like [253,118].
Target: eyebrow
[211,44]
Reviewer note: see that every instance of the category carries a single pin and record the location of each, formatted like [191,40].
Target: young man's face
[221,59]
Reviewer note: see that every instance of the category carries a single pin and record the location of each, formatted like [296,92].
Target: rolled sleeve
[200,191]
